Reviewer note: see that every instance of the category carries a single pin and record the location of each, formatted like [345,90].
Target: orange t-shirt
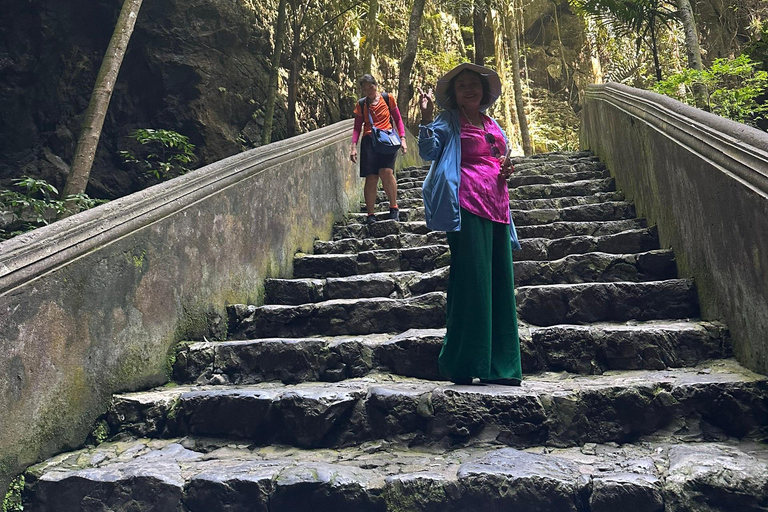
[379,112]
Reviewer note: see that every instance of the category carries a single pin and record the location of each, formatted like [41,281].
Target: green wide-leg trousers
[481,338]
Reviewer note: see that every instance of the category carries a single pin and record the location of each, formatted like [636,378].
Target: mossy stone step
[715,399]
[205,475]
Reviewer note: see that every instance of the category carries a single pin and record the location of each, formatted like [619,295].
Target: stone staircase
[327,397]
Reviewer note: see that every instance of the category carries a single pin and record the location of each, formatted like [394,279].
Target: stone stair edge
[382,478]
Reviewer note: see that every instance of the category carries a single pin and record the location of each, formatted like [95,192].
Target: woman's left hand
[403,145]
[506,168]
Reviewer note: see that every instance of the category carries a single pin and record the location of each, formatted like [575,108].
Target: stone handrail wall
[94,304]
[703,180]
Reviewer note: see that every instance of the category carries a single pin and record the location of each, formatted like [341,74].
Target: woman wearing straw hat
[466,195]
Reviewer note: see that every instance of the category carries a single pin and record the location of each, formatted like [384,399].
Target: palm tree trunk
[269,111]
[404,89]
[693,50]
[93,121]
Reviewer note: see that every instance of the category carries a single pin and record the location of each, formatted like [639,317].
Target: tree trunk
[498,16]
[293,86]
[404,88]
[519,103]
[478,27]
[93,122]
[693,50]
[370,36]
[274,75]
[655,49]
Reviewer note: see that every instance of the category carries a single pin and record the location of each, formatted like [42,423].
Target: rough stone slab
[577,268]
[542,305]
[705,402]
[338,317]
[597,267]
[303,291]
[519,204]
[577,188]
[715,478]
[584,349]
[511,479]
[422,259]
[564,202]
[538,249]
[217,476]
[393,241]
[599,302]
[562,229]
[626,242]
[519,180]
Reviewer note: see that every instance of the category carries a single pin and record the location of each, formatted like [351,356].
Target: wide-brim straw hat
[441,91]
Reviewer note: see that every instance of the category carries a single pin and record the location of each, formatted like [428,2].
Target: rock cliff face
[198,67]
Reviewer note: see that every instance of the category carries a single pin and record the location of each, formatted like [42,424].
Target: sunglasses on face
[490,139]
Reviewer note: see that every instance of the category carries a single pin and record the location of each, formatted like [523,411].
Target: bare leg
[371,187]
[389,184]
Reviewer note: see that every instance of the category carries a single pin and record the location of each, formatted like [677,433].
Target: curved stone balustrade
[703,180]
[93,304]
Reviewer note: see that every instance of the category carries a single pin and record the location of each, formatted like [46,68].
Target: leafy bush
[12,500]
[733,86]
[33,204]
[162,154]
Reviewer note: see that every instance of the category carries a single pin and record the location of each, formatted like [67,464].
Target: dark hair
[450,94]
[367,79]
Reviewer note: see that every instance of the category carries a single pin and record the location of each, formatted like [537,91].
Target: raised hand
[426,104]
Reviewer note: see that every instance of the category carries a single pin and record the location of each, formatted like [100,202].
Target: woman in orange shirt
[375,165]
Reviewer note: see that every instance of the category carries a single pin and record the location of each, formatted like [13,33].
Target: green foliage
[32,204]
[100,432]
[162,154]
[12,500]
[733,85]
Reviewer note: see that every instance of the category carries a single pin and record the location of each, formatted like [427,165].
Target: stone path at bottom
[327,397]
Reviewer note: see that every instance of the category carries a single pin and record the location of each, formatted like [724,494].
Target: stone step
[337,317]
[532,191]
[714,400]
[543,305]
[577,188]
[585,349]
[568,229]
[630,241]
[558,229]
[519,180]
[601,302]
[611,210]
[422,259]
[522,204]
[399,273]
[204,475]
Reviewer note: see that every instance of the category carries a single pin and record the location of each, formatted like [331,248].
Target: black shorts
[371,161]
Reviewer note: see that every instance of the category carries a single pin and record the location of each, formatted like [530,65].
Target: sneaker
[371,219]
[394,214]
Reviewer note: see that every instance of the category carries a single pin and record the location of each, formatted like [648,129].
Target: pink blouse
[483,190]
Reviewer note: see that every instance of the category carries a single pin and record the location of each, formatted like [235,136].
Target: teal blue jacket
[440,142]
